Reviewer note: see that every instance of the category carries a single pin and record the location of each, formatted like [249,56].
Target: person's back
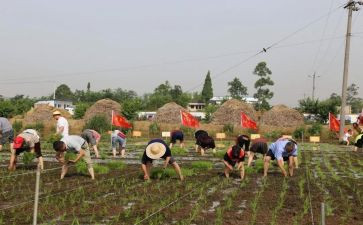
[62,122]
[73,142]
[5,125]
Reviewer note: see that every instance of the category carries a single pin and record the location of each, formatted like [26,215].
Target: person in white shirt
[76,144]
[346,137]
[62,124]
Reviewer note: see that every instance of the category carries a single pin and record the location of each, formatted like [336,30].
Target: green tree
[236,89]
[263,93]
[209,110]
[308,105]
[131,107]
[353,100]
[63,92]
[207,92]
[88,87]
[80,110]
[7,109]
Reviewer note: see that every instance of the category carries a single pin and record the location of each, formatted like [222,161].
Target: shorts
[117,139]
[7,136]
[232,162]
[88,136]
[37,150]
[145,159]
[269,153]
[259,147]
[177,136]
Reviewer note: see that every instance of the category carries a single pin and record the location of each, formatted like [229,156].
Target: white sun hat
[155,150]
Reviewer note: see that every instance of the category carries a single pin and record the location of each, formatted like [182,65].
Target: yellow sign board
[136,133]
[315,139]
[255,136]
[165,134]
[220,135]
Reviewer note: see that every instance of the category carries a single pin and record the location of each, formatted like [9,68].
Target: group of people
[282,150]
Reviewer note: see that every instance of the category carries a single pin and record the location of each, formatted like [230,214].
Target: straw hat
[55,113]
[155,150]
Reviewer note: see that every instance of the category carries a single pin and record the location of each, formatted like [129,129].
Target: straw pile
[169,113]
[282,116]
[103,107]
[230,113]
[43,113]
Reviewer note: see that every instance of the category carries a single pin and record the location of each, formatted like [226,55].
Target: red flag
[248,122]
[188,120]
[120,121]
[334,124]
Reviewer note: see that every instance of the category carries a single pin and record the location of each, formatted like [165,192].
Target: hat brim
[152,155]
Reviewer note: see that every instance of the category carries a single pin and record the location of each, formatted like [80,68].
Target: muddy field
[331,174]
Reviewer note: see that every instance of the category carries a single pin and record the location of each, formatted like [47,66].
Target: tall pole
[350,6]
[36,196]
[314,78]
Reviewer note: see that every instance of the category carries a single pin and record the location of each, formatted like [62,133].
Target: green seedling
[99,169]
[179,151]
[28,158]
[116,165]
[202,165]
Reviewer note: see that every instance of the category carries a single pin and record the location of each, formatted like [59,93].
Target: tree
[207,92]
[63,92]
[309,105]
[80,110]
[236,89]
[263,94]
[131,107]
[88,87]
[353,100]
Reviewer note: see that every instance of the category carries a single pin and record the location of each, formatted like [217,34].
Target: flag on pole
[334,124]
[247,122]
[120,121]
[188,120]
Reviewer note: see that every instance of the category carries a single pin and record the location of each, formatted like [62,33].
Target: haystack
[230,112]
[43,113]
[169,113]
[282,116]
[103,107]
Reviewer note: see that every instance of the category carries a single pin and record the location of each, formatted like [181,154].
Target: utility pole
[314,77]
[351,6]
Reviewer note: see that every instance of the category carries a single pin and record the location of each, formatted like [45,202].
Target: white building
[217,100]
[60,104]
[195,106]
[146,115]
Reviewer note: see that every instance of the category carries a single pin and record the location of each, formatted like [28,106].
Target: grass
[202,165]
[219,154]
[160,173]
[116,165]
[100,169]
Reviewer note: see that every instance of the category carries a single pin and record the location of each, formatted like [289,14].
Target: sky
[139,44]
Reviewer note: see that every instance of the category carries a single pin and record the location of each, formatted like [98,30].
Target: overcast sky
[139,44]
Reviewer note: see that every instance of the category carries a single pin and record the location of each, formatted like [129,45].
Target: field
[330,174]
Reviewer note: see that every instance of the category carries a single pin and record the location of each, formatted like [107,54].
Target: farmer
[259,145]
[203,141]
[118,138]
[296,159]
[281,150]
[177,135]
[93,138]
[27,141]
[6,133]
[234,155]
[75,144]
[62,124]
[346,137]
[358,142]
[157,149]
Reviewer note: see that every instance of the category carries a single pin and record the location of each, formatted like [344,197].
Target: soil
[122,197]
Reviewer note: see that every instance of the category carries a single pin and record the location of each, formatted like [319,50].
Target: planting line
[311,207]
[33,172]
[70,190]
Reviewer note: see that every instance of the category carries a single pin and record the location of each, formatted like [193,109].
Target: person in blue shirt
[281,150]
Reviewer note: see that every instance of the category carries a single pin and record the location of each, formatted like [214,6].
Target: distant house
[146,115]
[60,104]
[218,100]
[195,106]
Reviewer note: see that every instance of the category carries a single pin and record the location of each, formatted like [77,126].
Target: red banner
[188,120]
[334,124]
[120,121]
[247,122]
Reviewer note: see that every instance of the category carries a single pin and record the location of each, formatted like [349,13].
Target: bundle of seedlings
[43,113]
[28,158]
[230,113]
[160,173]
[169,113]
[282,116]
[103,107]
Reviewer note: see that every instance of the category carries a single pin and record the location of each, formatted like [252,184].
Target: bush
[154,129]
[299,132]
[228,128]
[80,110]
[187,131]
[273,134]
[38,126]
[17,125]
[99,123]
[315,129]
